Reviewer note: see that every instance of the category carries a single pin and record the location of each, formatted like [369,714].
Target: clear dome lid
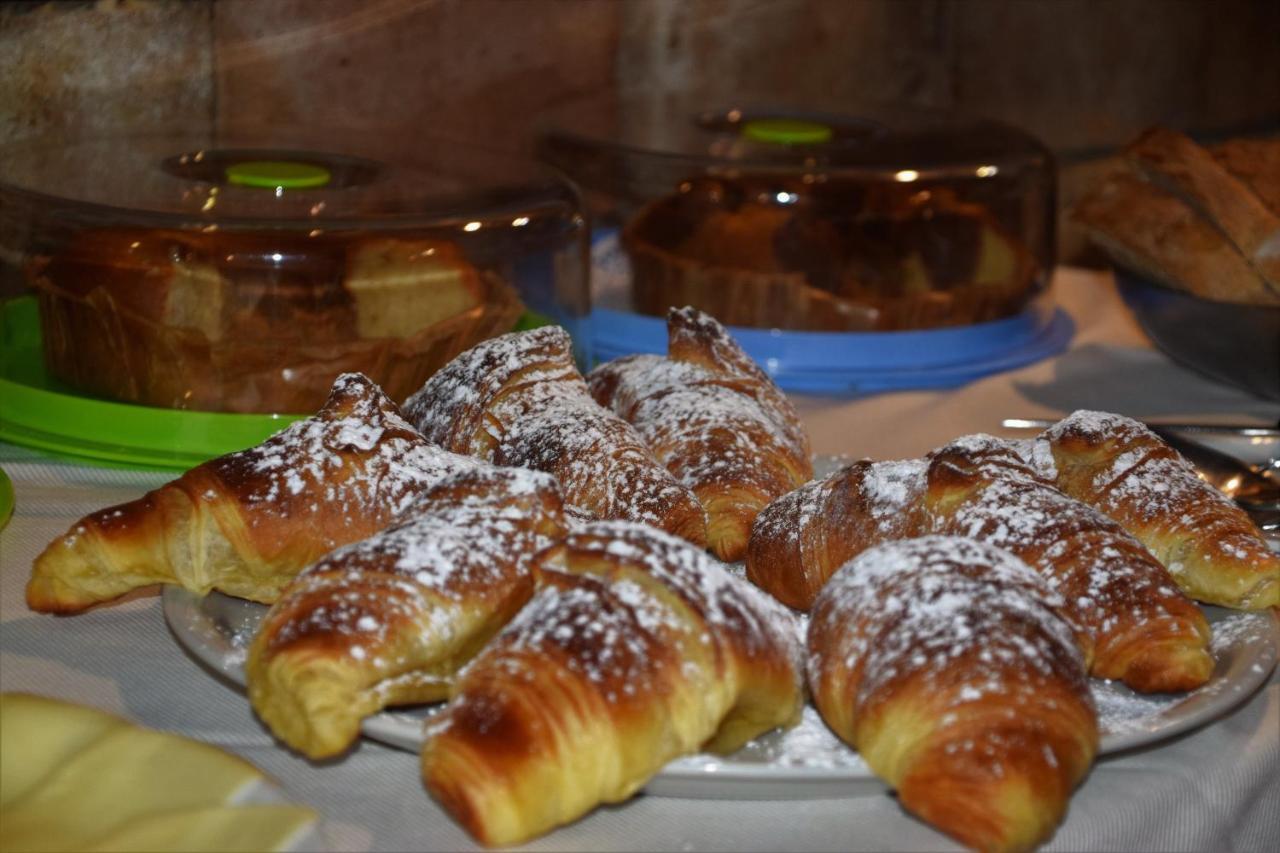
[240,271]
[640,142]
[298,179]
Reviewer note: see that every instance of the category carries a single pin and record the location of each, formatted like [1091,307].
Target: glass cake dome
[849,249]
[237,273]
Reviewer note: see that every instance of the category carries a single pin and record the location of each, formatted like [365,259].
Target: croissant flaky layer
[248,522]
[1208,544]
[954,669]
[714,420]
[638,648]
[518,400]
[389,620]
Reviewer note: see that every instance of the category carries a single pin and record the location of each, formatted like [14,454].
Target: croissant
[248,522]
[1140,628]
[1208,544]
[638,648]
[798,541]
[389,620]
[518,400]
[1143,630]
[954,670]
[715,424]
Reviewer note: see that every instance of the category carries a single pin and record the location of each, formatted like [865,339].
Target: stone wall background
[1084,75]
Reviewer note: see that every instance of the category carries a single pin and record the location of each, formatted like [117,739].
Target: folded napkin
[73,778]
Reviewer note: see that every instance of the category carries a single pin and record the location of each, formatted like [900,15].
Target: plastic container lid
[281,177]
[240,271]
[851,248]
[643,143]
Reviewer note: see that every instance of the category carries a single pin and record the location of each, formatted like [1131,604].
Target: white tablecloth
[1214,789]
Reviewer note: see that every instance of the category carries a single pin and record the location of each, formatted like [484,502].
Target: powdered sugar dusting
[518,400]
[357,464]
[962,618]
[698,338]
[469,546]
[739,614]
[1128,473]
[707,431]
[980,488]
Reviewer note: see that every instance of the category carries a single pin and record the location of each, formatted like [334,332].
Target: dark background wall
[1084,75]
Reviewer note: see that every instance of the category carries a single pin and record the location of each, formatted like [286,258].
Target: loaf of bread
[1172,161]
[1206,221]
[257,321]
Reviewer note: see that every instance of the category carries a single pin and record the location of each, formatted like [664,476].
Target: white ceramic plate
[806,762]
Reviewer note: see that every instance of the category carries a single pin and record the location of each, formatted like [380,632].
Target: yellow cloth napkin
[73,778]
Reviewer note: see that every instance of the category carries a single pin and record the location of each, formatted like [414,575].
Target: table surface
[1216,788]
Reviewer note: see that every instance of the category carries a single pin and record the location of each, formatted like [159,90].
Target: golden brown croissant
[389,620]
[246,523]
[799,540]
[1143,630]
[519,400]
[720,430]
[1207,543]
[641,650]
[952,667]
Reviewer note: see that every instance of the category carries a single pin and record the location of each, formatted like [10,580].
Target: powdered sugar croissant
[1139,627]
[638,649]
[715,420]
[247,522]
[389,620]
[1208,544]
[954,669]
[1143,630]
[518,400]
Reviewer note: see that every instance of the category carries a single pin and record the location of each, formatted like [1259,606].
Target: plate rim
[1243,677]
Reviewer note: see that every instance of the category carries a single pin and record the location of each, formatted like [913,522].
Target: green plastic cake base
[38,411]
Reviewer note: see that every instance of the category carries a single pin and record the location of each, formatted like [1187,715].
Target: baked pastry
[953,669]
[389,620]
[518,400]
[802,538]
[1256,163]
[1142,630]
[715,420]
[1203,221]
[257,322]
[248,522]
[1172,161]
[1138,626]
[637,649]
[1150,231]
[764,251]
[1208,544]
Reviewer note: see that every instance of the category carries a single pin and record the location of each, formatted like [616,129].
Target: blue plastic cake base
[854,363]
[836,363]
